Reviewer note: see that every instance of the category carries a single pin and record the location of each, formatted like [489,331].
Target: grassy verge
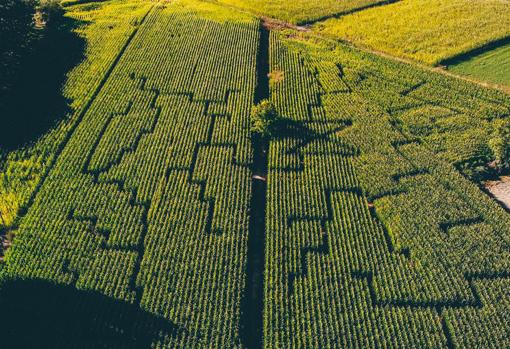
[492,66]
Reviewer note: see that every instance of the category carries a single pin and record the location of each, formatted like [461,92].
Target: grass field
[492,66]
[301,11]
[427,31]
[163,222]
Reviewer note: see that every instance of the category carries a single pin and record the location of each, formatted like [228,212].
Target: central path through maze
[252,321]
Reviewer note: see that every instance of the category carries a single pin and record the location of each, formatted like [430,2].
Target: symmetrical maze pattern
[148,201]
[373,239]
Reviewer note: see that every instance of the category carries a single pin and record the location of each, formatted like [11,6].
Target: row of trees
[16,34]
[20,24]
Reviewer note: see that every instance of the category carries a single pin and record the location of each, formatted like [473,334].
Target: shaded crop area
[46,315]
[23,170]
[35,102]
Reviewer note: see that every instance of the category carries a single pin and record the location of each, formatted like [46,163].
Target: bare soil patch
[500,190]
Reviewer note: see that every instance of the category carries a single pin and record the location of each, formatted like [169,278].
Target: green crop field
[224,182]
[23,169]
[148,172]
[427,31]
[352,264]
[492,66]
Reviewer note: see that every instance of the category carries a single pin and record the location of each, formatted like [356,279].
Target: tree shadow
[34,101]
[39,314]
[289,128]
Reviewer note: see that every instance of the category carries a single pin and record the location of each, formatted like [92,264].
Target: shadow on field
[289,128]
[476,52]
[33,102]
[38,314]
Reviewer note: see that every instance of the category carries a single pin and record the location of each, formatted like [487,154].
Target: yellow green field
[301,11]
[428,31]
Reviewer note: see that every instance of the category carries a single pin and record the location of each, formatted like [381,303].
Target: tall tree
[16,32]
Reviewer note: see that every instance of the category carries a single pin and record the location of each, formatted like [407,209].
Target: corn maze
[372,240]
[371,234]
[148,201]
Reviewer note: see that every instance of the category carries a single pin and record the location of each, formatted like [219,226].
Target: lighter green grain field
[300,11]
[427,31]
[492,66]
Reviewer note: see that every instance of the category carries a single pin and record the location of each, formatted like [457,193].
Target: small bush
[263,119]
[499,145]
[477,171]
[51,12]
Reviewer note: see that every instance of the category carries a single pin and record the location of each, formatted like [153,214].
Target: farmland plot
[372,240]
[427,31]
[148,201]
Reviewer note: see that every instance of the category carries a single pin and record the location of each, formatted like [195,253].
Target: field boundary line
[363,48]
[348,12]
[469,54]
